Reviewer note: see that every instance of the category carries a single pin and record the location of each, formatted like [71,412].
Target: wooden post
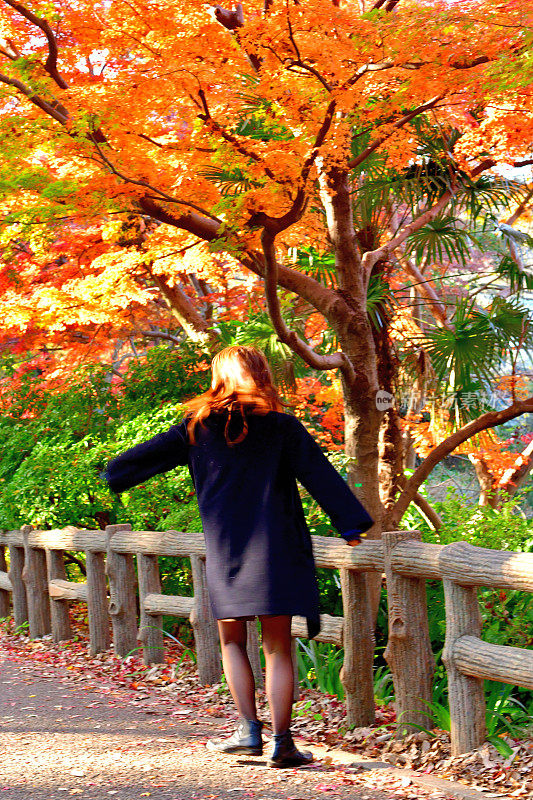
[123,596]
[408,651]
[358,639]
[151,625]
[296,673]
[204,626]
[4,593]
[466,695]
[59,608]
[16,568]
[252,647]
[97,603]
[35,577]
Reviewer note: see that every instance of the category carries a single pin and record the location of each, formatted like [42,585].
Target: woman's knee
[276,634]
[232,633]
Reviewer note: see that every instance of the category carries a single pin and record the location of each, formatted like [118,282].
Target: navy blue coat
[259,557]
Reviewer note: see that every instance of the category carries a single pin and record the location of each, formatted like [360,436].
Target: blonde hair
[242,381]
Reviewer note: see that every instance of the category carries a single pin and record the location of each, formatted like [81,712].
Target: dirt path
[59,740]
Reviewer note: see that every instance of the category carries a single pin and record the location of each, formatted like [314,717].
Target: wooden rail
[37,586]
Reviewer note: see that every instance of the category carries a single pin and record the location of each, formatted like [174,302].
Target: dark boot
[246,739]
[286,754]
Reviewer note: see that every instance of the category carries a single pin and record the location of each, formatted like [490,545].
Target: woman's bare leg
[237,668]
[279,670]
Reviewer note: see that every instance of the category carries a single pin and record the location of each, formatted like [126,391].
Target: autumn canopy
[168,164]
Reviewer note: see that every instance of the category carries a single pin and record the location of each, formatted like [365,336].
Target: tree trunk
[362,418]
[361,424]
[488,488]
[361,430]
[391,446]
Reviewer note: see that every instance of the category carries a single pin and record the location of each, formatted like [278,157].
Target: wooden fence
[39,591]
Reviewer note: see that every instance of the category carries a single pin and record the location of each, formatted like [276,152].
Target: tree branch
[517,213]
[373,256]
[71,559]
[205,228]
[9,49]
[390,5]
[489,420]
[428,512]
[231,20]
[160,335]
[288,337]
[51,62]
[325,300]
[319,140]
[291,34]
[354,162]
[292,62]
[424,287]
[58,113]
[231,139]
[514,477]
[145,185]
[184,310]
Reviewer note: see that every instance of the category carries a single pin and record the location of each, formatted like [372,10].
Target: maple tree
[227,141]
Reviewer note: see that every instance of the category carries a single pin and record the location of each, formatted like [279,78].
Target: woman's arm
[159,454]
[323,482]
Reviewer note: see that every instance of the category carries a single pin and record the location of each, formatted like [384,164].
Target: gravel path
[59,739]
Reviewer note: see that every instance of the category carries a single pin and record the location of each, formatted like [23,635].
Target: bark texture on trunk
[349,320]
[488,487]
[354,333]
[391,449]
[362,422]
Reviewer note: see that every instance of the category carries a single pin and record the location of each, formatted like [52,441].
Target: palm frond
[320,266]
[486,194]
[379,301]
[470,355]
[231,182]
[259,119]
[443,237]
[519,280]
[508,321]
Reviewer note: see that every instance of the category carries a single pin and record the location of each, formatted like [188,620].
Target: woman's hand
[355,542]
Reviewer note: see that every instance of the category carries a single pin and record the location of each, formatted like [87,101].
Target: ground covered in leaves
[171,693]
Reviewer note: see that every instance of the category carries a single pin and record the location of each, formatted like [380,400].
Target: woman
[245,456]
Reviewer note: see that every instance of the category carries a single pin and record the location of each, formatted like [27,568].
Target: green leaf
[501,746]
